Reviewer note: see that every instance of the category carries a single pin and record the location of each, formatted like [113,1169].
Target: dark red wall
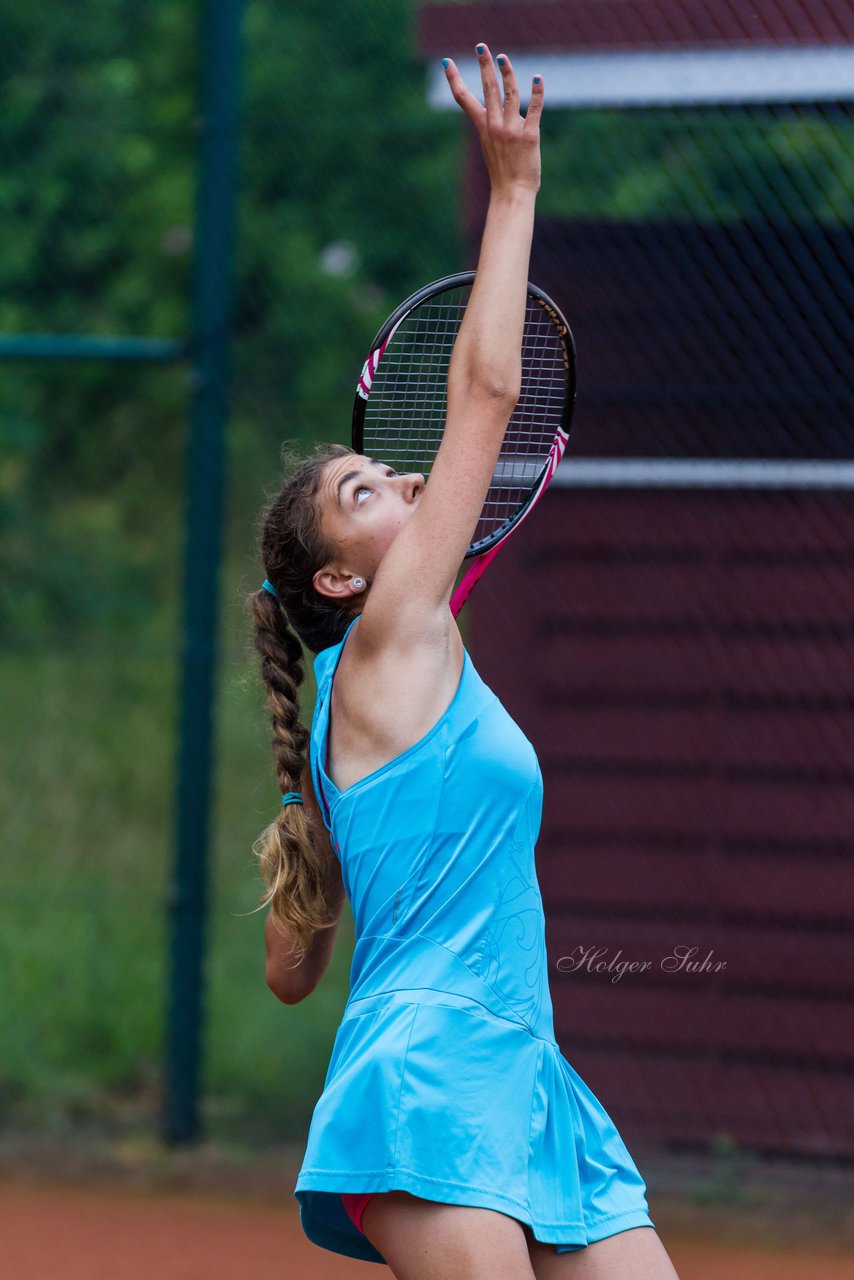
[575,25]
[682,662]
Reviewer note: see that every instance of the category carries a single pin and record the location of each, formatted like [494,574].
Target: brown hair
[293,547]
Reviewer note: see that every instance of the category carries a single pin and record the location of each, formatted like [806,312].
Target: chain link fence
[684,597]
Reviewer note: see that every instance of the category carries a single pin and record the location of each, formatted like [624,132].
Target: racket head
[400,405]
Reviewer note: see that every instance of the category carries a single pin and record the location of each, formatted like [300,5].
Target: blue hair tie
[266,585]
[292,797]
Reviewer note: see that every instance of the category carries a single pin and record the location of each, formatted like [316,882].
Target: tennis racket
[401,405]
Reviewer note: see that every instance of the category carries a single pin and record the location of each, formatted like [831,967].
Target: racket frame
[484,548]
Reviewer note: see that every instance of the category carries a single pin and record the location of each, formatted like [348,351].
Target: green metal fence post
[220,40]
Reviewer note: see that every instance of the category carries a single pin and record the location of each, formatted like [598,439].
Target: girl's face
[364,505]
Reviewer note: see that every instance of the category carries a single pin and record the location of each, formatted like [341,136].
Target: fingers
[466,100]
[489,80]
[492,111]
[511,89]
[535,105]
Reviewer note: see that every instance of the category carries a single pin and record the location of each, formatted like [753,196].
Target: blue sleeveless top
[445,1078]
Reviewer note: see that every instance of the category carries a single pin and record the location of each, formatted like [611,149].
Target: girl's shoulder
[381,705]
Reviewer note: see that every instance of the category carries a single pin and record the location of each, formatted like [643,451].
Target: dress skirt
[431,1093]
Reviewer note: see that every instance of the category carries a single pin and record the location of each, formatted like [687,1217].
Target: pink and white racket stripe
[483,561]
[369,368]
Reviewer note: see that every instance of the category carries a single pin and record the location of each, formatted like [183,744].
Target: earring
[358,583]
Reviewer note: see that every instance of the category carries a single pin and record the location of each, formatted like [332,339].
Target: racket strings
[405,414]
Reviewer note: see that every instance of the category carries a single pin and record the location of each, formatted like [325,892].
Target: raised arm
[487,350]
[412,589]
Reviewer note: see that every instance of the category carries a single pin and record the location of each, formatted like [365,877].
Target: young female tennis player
[452,1139]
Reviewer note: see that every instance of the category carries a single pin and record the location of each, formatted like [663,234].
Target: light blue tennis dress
[445,1078]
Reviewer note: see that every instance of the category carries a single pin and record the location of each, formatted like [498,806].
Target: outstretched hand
[510,142]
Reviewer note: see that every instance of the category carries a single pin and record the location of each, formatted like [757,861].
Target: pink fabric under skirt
[355,1204]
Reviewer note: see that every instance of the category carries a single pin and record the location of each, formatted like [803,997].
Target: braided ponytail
[293,547]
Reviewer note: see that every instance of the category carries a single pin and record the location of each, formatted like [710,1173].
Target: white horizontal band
[702,473]
[679,78]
